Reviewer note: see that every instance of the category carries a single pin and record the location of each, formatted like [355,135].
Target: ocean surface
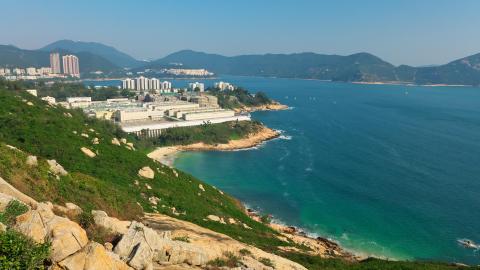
[385,170]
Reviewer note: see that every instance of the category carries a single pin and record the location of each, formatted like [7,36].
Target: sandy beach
[166,155]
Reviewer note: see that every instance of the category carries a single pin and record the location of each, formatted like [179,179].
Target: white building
[166,86]
[79,102]
[71,65]
[128,84]
[55,63]
[195,85]
[31,71]
[153,84]
[141,83]
[224,86]
[18,71]
[44,71]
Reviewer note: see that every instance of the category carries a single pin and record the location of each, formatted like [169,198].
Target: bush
[182,238]
[266,262]
[14,209]
[230,261]
[19,252]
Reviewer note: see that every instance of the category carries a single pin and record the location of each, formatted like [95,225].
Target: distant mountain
[110,53]
[361,67]
[11,56]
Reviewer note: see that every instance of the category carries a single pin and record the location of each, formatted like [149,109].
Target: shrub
[245,252]
[19,252]
[182,238]
[230,260]
[14,209]
[266,262]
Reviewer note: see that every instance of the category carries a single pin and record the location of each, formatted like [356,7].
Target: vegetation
[266,262]
[356,67]
[317,263]
[62,90]
[13,209]
[107,181]
[207,133]
[182,238]
[18,252]
[230,261]
[239,98]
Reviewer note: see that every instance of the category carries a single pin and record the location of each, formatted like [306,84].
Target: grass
[229,260]
[18,252]
[317,263]
[107,181]
[13,209]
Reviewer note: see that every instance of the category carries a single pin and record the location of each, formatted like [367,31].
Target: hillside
[111,54]
[11,56]
[360,67]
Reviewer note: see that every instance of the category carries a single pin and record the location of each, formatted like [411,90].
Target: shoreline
[320,246]
[166,155]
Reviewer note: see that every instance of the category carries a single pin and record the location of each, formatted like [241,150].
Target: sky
[413,32]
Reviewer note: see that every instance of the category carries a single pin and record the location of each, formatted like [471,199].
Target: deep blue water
[386,170]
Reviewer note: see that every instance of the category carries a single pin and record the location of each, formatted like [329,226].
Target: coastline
[166,155]
[319,246]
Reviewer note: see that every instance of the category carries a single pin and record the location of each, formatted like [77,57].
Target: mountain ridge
[358,67]
[110,53]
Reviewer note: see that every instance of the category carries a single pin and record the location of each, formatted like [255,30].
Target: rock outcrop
[110,223]
[93,257]
[146,172]
[32,161]
[41,224]
[88,152]
[115,141]
[141,246]
[7,189]
[56,168]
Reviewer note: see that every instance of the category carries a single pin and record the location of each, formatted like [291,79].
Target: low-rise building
[196,86]
[224,86]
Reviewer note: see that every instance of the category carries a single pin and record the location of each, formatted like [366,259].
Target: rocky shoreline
[274,106]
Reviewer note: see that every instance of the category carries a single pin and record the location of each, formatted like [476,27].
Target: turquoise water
[385,170]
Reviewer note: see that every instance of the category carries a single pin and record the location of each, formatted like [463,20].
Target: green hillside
[362,67]
[110,180]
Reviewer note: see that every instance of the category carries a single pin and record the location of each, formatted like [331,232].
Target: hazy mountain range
[359,67]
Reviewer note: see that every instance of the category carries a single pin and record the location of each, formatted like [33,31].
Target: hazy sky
[415,32]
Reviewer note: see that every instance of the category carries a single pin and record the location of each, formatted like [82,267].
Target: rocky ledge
[274,106]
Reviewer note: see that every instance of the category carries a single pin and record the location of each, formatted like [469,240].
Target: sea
[391,171]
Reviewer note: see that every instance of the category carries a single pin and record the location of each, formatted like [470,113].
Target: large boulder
[141,246]
[56,168]
[88,152]
[32,161]
[42,225]
[93,257]
[146,172]
[110,223]
[7,189]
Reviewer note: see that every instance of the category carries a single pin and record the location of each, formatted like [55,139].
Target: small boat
[467,243]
